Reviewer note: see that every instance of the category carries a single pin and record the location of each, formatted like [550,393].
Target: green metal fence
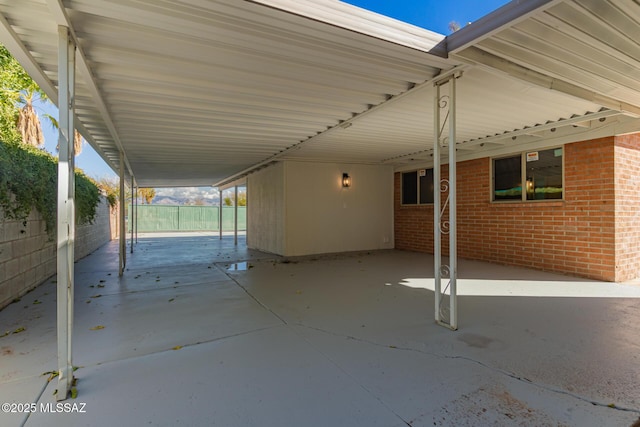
[157,218]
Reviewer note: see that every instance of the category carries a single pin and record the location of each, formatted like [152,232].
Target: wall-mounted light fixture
[530,185]
[346,180]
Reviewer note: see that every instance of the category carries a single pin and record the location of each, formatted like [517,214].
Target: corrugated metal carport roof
[197,91]
[586,48]
[200,92]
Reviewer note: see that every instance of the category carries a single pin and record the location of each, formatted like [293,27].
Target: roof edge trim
[362,21]
[506,16]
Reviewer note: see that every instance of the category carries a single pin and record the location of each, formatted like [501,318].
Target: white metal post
[235,217]
[220,215]
[122,233]
[136,217]
[65,210]
[246,214]
[444,225]
[131,214]
[437,235]
[453,209]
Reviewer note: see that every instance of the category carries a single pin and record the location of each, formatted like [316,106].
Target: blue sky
[430,14]
[88,160]
[433,15]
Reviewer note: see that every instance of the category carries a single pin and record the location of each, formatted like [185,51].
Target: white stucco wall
[323,217]
[265,210]
[300,208]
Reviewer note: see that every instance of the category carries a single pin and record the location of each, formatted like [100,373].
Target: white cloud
[188,192]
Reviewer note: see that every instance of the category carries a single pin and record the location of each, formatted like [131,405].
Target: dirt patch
[474,340]
[491,406]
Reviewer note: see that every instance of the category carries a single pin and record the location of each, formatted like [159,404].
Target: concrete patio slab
[200,332]
[587,345]
[20,394]
[427,389]
[264,378]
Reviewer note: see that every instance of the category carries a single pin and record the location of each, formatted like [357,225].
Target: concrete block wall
[90,237]
[574,236]
[28,254]
[627,228]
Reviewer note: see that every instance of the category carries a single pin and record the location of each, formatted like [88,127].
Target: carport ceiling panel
[590,43]
[231,80]
[491,103]
[37,31]
[488,104]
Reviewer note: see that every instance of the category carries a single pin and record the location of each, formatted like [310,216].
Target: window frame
[417,172]
[523,177]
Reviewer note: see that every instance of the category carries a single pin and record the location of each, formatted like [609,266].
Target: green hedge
[28,180]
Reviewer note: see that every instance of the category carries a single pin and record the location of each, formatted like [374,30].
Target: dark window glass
[507,178]
[544,174]
[426,187]
[410,188]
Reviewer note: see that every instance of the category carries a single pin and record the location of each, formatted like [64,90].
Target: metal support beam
[66,211]
[132,214]
[246,214]
[445,223]
[220,215]
[122,230]
[136,216]
[453,210]
[235,217]
[437,231]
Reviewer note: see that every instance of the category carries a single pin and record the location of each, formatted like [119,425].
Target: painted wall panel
[323,217]
[265,227]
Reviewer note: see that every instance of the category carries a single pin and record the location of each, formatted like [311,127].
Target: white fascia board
[241,182]
[504,17]
[364,22]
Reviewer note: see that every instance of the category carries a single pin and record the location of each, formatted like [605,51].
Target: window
[540,171]
[507,178]
[410,188]
[417,187]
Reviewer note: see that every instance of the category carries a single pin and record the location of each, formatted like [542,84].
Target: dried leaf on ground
[52,375]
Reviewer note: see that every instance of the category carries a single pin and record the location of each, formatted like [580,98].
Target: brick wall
[413,225]
[574,236]
[28,256]
[627,229]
